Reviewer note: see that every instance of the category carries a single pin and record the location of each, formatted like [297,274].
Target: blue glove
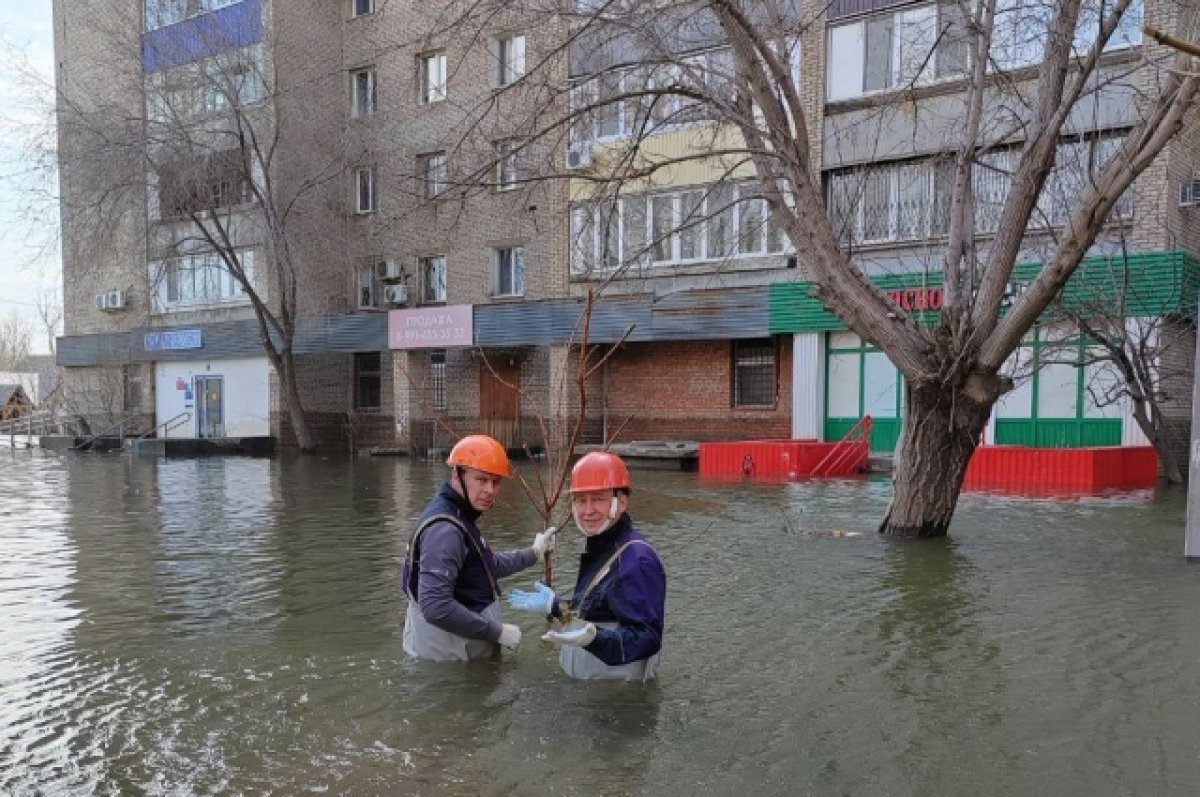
[540,599]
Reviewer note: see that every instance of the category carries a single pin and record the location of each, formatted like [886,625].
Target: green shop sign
[1144,285]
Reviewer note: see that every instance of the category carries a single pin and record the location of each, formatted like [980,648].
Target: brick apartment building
[409,144]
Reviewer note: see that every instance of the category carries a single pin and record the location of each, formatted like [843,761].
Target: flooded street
[229,626]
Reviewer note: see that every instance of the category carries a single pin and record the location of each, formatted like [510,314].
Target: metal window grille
[437,380]
[754,373]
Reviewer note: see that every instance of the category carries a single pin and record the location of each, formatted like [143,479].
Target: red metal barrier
[1072,471]
[780,459]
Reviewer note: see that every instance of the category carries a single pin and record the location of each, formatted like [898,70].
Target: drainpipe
[604,394]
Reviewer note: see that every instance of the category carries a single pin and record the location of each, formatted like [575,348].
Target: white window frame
[510,165]
[431,174]
[368,286]
[362,92]
[510,59]
[366,190]
[641,246]
[512,259]
[432,81]
[361,8]
[435,278]
[198,280]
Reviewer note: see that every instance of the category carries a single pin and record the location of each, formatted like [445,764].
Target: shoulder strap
[458,524]
[612,560]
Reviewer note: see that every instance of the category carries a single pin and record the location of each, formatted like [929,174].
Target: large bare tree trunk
[290,392]
[942,427]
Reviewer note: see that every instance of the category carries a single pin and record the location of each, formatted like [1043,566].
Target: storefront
[1063,397]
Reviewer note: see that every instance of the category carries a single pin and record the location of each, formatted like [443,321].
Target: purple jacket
[451,571]
[633,594]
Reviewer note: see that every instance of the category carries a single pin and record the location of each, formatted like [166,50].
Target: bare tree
[728,69]
[227,162]
[1133,348]
[16,339]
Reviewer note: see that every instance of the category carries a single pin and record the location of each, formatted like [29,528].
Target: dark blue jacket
[633,594]
[451,572]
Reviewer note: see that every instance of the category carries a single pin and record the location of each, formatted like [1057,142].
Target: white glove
[510,636]
[580,637]
[544,542]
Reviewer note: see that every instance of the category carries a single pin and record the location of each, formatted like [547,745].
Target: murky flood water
[226,626]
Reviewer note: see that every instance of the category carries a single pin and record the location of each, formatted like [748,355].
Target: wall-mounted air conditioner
[110,300]
[579,156]
[395,294]
[389,269]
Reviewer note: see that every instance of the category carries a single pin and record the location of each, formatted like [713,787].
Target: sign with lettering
[431,327]
[917,299]
[173,340]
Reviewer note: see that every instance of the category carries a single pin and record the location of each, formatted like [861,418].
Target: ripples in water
[233,626]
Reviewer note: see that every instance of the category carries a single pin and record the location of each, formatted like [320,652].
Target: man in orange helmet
[450,573]
[614,620]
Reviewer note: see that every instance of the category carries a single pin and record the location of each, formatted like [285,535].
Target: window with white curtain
[433,278]
[432,73]
[201,279]
[362,92]
[510,58]
[694,225]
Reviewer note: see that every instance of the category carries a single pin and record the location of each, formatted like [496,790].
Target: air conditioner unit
[101,301]
[1189,192]
[116,300]
[389,269]
[395,294]
[579,157]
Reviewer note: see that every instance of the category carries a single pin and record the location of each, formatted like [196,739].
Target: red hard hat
[482,453]
[599,470]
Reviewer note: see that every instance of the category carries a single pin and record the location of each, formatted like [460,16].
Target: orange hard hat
[599,470]
[482,453]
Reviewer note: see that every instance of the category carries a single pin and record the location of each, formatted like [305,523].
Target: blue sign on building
[172,340]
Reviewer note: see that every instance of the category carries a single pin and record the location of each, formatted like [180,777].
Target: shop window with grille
[754,373]
[368,370]
[437,380]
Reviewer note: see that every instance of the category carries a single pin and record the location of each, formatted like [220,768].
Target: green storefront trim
[1152,284]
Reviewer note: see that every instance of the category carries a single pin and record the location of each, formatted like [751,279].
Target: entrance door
[210,406]
[499,399]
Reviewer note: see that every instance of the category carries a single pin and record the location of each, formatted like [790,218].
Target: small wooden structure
[14,403]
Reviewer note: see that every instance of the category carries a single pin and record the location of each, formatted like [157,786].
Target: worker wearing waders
[450,573]
[613,625]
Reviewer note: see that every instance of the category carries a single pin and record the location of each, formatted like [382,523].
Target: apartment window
[201,279]
[364,7]
[754,373]
[368,286]
[910,201]
[897,50]
[431,171]
[437,379]
[710,72]
[368,380]
[510,165]
[433,77]
[510,58]
[433,278]
[365,196]
[216,181]
[723,221]
[509,271]
[362,88]
[167,12]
